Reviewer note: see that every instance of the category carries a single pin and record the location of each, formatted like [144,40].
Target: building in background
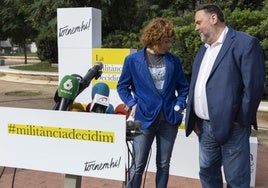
[5,47]
[8,48]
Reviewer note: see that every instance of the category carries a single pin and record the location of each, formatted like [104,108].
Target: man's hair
[156,30]
[212,9]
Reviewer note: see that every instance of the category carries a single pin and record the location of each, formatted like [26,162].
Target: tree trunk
[25,52]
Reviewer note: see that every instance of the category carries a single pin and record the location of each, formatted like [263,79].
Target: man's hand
[196,130]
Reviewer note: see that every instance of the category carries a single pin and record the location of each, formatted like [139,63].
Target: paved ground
[40,96]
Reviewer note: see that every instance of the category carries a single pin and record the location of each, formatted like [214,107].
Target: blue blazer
[235,85]
[136,86]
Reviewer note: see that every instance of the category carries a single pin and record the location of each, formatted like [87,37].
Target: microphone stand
[133,129]
[74,181]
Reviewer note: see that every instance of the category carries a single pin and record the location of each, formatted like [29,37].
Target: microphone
[110,109]
[94,72]
[67,91]
[88,107]
[133,129]
[77,107]
[100,98]
[100,88]
[122,109]
[99,104]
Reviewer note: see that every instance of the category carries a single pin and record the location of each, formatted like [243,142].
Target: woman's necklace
[153,59]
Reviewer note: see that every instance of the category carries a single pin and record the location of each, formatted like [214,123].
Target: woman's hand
[133,110]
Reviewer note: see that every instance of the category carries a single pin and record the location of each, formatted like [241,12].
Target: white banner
[79,27]
[78,143]
[79,31]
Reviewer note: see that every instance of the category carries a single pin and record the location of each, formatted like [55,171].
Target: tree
[44,18]
[122,21]
[15,23]
[187,42]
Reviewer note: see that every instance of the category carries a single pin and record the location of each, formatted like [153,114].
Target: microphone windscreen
[77,107]
[110,109]
[88,107]
[122,109]
[98,66]
[68,87]
[100,88]
[94,72]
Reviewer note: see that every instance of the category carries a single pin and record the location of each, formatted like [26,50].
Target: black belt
[201,120]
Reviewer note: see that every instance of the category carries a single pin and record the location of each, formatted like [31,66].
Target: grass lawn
[43,67]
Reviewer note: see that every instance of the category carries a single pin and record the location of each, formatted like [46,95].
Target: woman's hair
[156,30]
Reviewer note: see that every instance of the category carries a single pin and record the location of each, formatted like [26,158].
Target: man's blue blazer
[235,86]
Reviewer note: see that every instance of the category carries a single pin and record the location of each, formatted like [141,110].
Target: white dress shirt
[200,97]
